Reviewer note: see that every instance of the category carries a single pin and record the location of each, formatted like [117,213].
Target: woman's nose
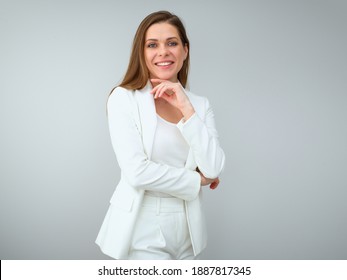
[163,50]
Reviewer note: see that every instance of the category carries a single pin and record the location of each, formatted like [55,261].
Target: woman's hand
[206,181]
[174,94]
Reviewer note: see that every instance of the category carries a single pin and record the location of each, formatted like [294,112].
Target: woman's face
[164,51]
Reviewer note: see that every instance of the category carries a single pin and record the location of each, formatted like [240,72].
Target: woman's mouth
[164,63]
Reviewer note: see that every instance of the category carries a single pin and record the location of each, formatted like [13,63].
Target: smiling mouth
[166,63]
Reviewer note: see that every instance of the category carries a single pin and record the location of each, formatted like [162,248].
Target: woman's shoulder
[119,97]
[120,93]
[118,90]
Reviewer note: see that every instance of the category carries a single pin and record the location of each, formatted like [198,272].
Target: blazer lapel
[148,117]
[190,162]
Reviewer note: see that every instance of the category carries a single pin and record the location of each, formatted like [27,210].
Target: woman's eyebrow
[170,38]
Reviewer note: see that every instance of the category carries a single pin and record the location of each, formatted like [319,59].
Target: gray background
[275,73]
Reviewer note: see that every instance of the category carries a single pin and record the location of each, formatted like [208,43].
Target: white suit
[132,124]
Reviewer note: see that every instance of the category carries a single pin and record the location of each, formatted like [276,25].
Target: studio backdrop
[275,73]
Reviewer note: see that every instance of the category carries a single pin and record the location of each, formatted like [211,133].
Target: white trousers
[161,231]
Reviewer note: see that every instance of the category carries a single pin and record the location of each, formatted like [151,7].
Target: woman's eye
[151,45]
[172,43]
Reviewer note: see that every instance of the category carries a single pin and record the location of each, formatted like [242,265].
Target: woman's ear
[186,51]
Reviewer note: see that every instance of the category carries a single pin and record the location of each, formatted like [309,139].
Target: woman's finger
[214,184]
[158,90]
[163,89]
[168,84]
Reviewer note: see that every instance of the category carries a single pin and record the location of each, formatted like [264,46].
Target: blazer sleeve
[138,170]
[202,137]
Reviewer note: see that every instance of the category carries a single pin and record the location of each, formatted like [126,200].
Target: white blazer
[132,124]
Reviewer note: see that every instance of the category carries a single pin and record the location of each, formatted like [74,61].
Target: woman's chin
[164,77]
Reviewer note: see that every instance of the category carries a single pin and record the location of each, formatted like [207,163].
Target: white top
[169,147]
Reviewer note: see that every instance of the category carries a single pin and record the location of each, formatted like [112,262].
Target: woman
[166,145]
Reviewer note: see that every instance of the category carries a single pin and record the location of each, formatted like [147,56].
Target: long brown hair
[137,75]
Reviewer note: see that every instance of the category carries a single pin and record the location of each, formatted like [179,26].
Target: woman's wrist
[187,111]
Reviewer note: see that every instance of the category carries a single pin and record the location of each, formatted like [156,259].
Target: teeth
[164,63]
